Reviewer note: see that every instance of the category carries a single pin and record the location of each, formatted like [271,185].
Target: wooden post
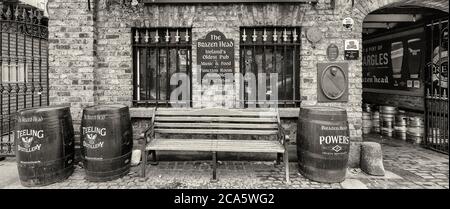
[214,162]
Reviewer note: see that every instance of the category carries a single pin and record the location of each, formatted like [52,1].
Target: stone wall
[91,61]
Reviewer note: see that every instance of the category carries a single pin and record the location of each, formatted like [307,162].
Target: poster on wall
[394,63]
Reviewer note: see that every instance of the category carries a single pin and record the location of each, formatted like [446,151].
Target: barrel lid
[44,109]
[322,110]
[106,107]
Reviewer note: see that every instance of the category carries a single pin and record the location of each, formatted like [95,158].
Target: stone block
[372,159]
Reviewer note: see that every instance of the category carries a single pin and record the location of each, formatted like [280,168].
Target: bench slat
[216,119]
[216,131]
[267,146]
[215,112]
[216,125]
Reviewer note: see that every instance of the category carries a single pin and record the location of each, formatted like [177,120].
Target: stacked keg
[387,116]
[415,131]
[400,125]
[376,121]
[367,119]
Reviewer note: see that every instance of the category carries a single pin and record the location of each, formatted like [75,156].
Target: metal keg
[376,121]
[415,131]
[367,123]
[400,125]
[366,107]
[387,116]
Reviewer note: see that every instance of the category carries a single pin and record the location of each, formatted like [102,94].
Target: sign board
[215,54]
[332,82]
[332,52]
[394,63]
[351,49]
[348,23]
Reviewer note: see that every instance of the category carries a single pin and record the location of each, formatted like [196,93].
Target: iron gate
[436,101]
[23,66]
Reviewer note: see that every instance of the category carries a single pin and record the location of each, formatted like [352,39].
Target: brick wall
[72,59]
[91,61]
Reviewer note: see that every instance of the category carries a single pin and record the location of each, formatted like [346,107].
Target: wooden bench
[212,122]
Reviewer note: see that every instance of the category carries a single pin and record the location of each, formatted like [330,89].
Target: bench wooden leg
[279,157]
[214,163]
[144,162]
[154,160]
[286,164]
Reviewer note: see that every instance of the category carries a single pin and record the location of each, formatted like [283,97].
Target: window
[271,50]
[158,54]
[14,72]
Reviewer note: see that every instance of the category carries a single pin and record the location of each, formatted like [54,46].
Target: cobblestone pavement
[407,166]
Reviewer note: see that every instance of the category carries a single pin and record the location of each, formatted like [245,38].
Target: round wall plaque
[333,82]
[332,52]
[314,35]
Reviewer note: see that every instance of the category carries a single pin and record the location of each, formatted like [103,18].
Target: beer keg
[367,122]
[106,138]
[387,115]
[415,131]
[44,143]
[376,121]
[367,107]
[400,125]
[323,143]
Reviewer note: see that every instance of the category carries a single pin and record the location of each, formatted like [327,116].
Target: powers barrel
[44,140]
[323,143]
[107,141]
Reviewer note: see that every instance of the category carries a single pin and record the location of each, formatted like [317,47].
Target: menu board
[394,61]
[215,54]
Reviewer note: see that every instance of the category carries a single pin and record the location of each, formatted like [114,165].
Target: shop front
[279,55]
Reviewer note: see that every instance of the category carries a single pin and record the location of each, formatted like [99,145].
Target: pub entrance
[405,75]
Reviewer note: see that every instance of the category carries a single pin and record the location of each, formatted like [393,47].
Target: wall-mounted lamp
[414,17]
[388,26]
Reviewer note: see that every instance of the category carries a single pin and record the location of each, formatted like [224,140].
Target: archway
[405,71]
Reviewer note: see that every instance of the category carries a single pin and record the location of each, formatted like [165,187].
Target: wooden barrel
[367,122]
[376,121]
[415,131]
[400,126]
[44,144]
[323,143]
[387,115]
[107,141]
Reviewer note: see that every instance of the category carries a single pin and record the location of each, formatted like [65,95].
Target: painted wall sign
[394,63]
[215,54]
[332,52]
[351,49]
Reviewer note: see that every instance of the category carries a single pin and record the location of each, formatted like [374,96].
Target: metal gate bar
[436,119]
[23,67]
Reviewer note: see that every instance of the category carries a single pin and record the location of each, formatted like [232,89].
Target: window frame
[159,46]
[294,43]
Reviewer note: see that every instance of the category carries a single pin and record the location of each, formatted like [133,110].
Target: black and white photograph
[252,95]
